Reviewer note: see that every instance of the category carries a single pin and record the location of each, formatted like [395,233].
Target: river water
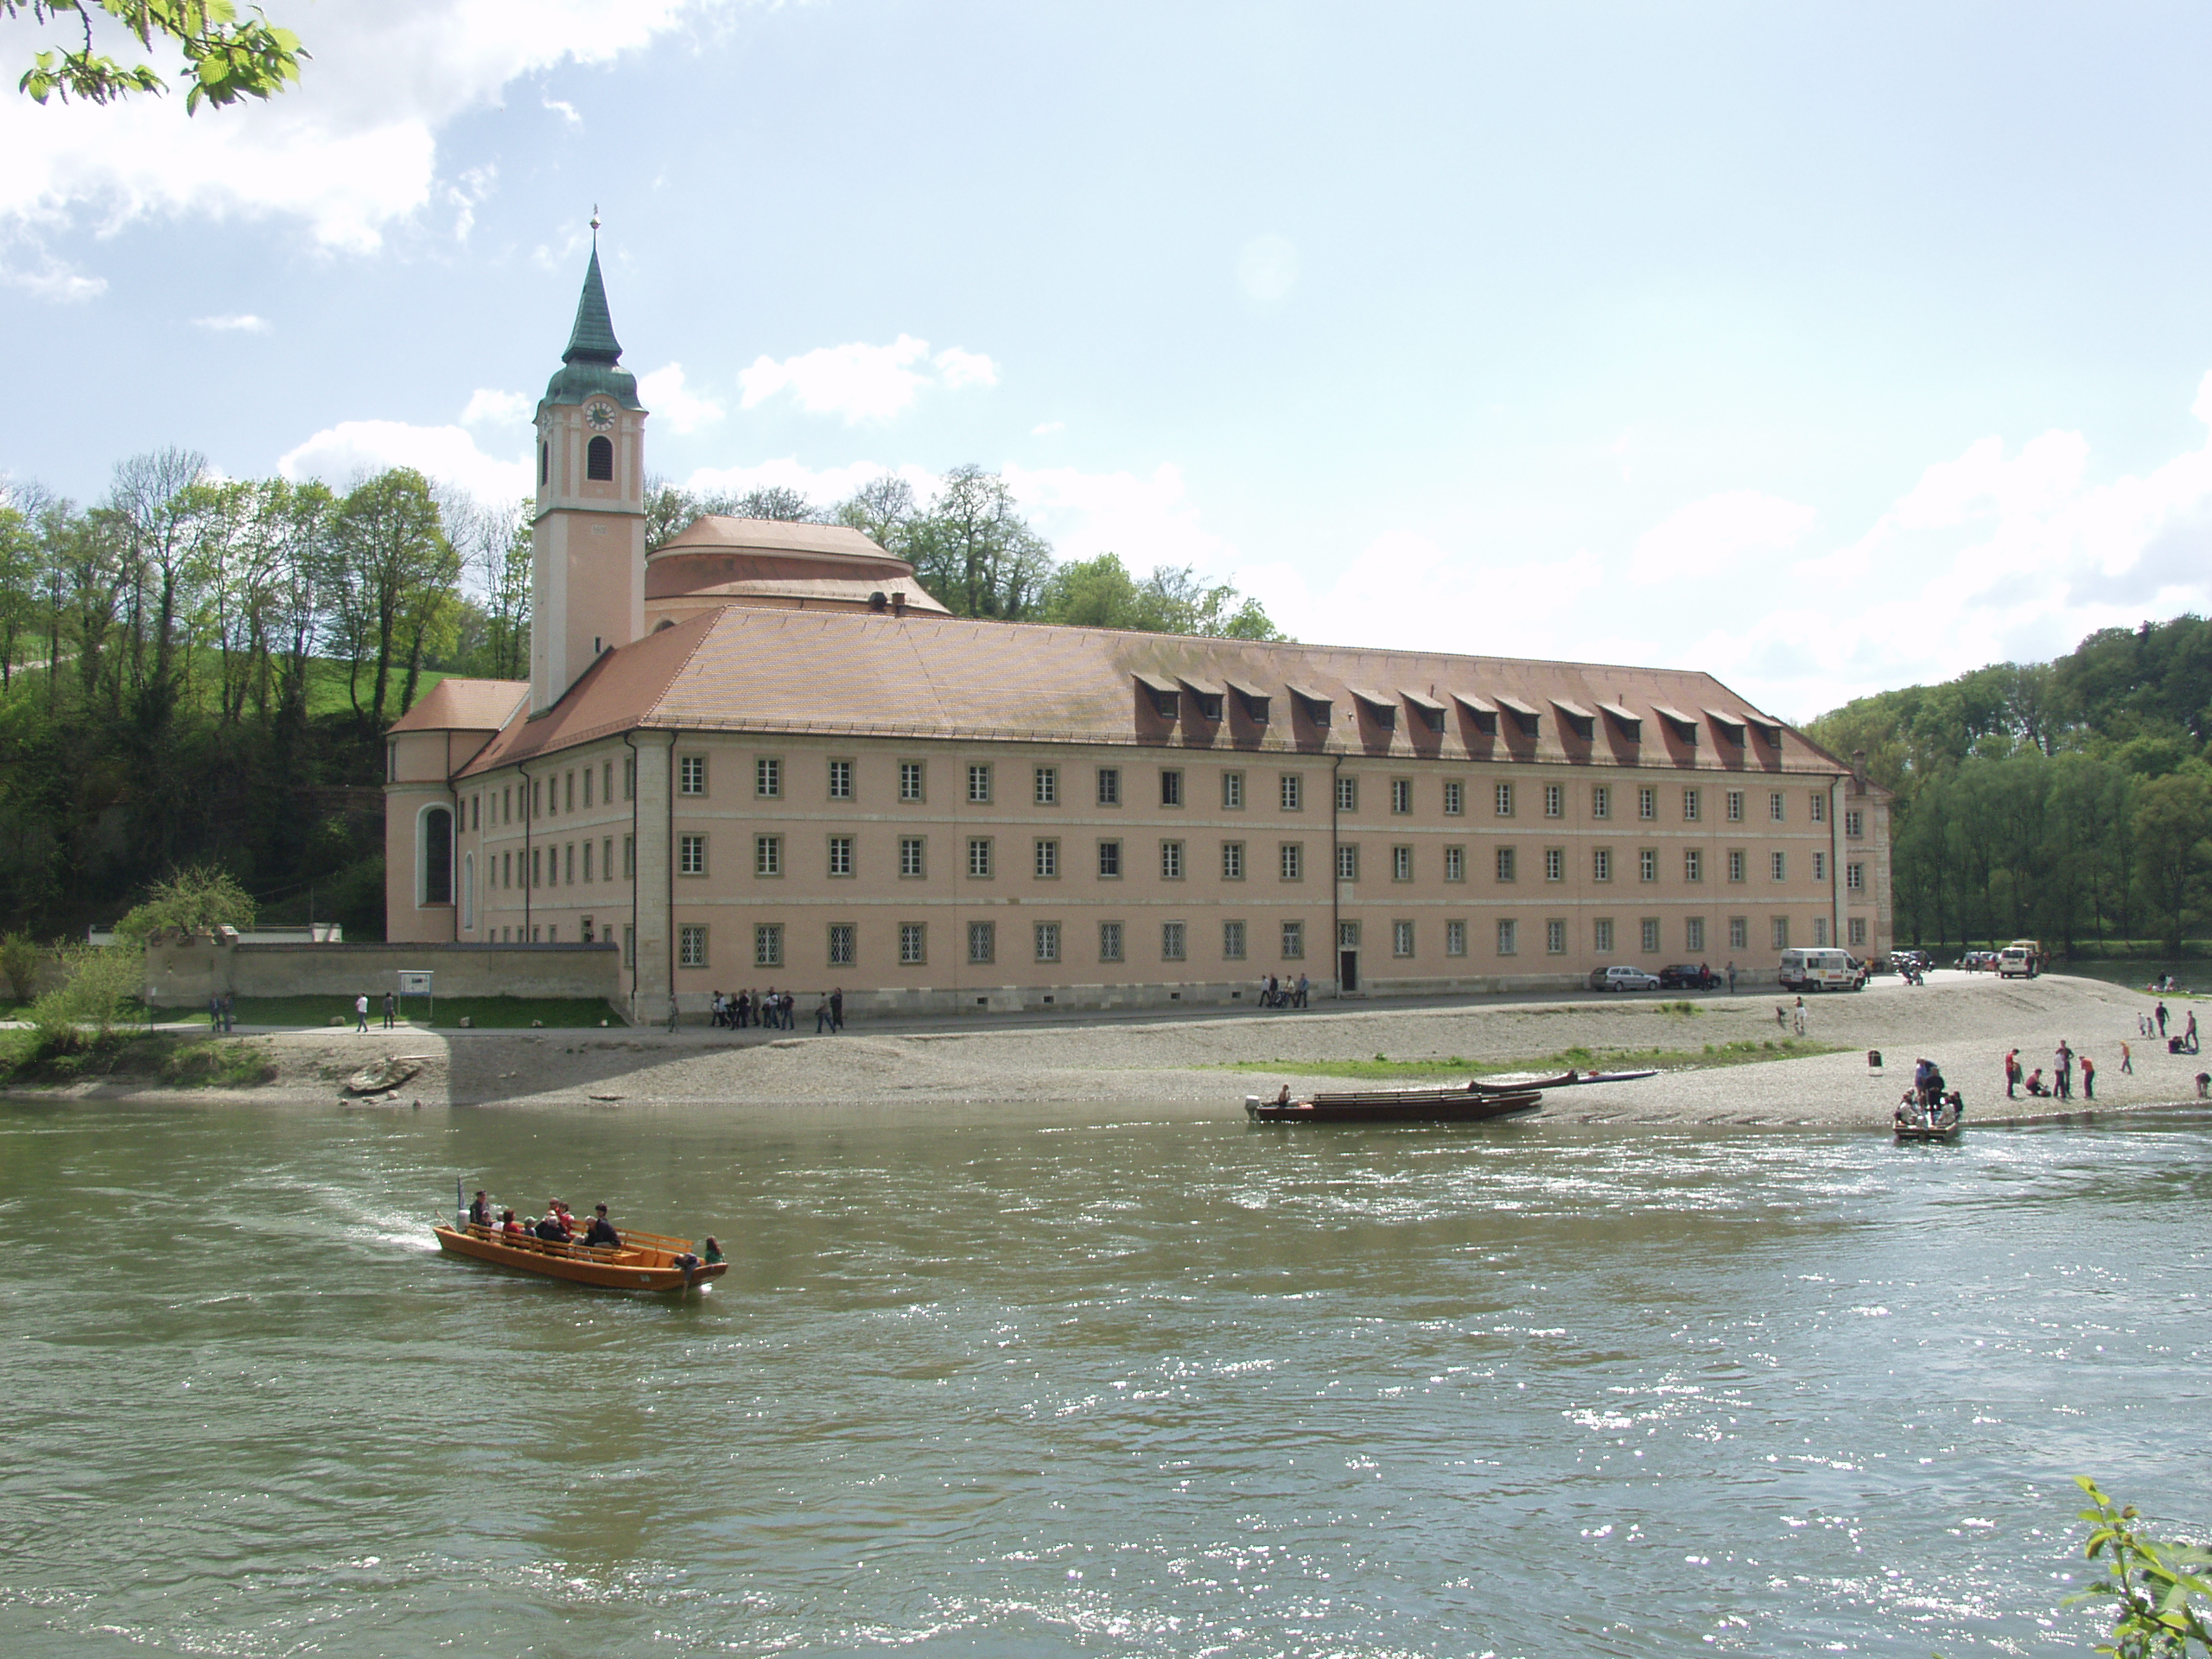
[988,1382]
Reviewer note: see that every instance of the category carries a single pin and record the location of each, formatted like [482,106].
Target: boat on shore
[1925,1130]
[642,1261]
[1457,1103]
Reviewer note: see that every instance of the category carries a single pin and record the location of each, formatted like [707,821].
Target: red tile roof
[744,670]
[457,705]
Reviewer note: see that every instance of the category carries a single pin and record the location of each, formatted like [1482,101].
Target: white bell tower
[587,534]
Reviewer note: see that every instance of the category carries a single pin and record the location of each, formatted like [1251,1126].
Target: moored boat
[1940,1129]
[1454,1103]
[641,1261]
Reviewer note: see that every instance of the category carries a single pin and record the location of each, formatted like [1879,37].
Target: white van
[1820,970]
[2016,960]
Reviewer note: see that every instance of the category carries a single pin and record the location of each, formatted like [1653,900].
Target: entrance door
[1347,971]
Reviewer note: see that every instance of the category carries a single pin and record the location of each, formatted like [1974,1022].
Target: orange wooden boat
[642,1261]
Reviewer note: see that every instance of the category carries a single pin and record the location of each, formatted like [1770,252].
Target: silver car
[1623,979]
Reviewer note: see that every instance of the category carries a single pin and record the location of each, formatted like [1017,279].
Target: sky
[1823,347]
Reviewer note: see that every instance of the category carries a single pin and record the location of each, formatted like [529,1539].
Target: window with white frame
[1692,806]
[1819,804]
[1171,861]
[1647,864]
[841,780]
[1776,806]
[767,855]
[1110,858]
[913,851]
[1504,865]
[1110,786]
[690,855]
[1048,941]
[1601,800]
[768,777]
[1647,803]
[1693,934]
[691,774]
[1293,941]
[1401,863]
[1601,863]
[1509,938]
[1455,863]
[1292,860]
[1045,784]
[1692,864]
[1455,800]
[1601,936]
[1232,860]
[1348,861]
[1401,797]
[1170,786]
[982,941]
[1740,934]
[1820,866]
[1781,932]
[1858,927]
[1455,938]
[1347,936]
[1780,864]
[1401,939]
[767,945]
[909,781]
[1854,823]
[841,854]
[1819,930]
[1292,792]
[1732,806]
[979,784]
[1347,794]
[1556,938]
[1854,877]
[1554,863]
[1650,935]
[1232,791]
[1048,864]
[1232,941]
[691,945]
[1173,941]
[913,942]
[979,858]
[1735,864]
[1502,800]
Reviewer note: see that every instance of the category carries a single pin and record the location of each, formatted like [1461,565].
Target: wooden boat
[1942,1129]
[1457,1104]
[643,1261]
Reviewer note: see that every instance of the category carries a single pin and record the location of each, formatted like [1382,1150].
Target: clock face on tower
[600,415]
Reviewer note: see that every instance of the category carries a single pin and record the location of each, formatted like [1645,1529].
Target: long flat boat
[1459,1104]
[642,1261]
[1944,1131]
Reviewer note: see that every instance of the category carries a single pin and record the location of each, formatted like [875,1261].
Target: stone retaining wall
[185,973]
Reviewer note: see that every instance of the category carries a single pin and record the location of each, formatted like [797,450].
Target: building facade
[765,756]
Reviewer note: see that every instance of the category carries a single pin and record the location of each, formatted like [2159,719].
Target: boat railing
[633,1241]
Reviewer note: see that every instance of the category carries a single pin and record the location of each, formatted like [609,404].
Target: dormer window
[1579,720]
[1524,716]
[1167,699]
[598,459]
[1481,710]
[1679,724]
[1253,701]
[1205,697]
[1314,705]
[1427,710]
[1381,709]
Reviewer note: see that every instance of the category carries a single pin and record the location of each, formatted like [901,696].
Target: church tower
[587,534]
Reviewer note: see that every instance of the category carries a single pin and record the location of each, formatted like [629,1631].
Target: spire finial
[594,227]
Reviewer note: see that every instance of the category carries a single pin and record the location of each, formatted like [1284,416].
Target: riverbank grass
[156,1058]
[483,1013]
[1383,1069]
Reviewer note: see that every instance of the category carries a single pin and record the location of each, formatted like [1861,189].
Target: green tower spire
[592,363]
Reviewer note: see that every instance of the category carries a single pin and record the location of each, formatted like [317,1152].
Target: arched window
[544,463]
[437,857]
[598,459]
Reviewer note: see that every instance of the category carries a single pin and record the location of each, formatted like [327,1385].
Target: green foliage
[2163,1592]
[20,959]
[1100,592]
[225,59]
[99,991]
[204,1065]
[196,900]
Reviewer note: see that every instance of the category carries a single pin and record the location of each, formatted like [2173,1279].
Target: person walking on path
[837,1009]
[2126,1060]
[1797,1017]
[390,1007]
[2189,1031]
[1732,979]
[2160,1016]
[361,1011]
[821,1016]
[230,1011]
[2088,1079]
[214,1012]
[2012,1073]
[2061,1071]
[1301,991]
[672,1012]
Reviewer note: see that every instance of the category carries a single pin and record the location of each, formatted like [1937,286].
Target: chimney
[898,603]
[876,602]
[1859,767]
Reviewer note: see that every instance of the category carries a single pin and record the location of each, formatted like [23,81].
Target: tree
[195,901]
[1100,592]
[226,58]
[975,551]
[393,573]
[774,501]
[2173,820]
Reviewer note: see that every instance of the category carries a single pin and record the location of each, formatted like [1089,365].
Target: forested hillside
[199,670]
[2069,801]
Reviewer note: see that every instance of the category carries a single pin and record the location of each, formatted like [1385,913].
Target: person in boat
[1282,1096]
[555,1229]
[510,1229]
[601,1230]
[480,1212]
[1957,1103]
[714,1249]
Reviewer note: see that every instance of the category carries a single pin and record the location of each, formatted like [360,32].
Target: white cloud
[566,112]
[49,279]
[338,454]
[1046,428]
[489,408]
[350,150]
[243,323]
[1147,521]
[675,405]
[863,382]
[1701,541]
[1267,267]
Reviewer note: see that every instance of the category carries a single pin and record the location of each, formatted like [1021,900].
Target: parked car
[1979,962]
[1623,979]
[1687,976]
[1821,969]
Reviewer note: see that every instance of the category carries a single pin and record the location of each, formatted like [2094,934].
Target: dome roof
[774,562]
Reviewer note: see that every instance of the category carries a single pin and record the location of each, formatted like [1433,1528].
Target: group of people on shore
[2153,1024]
[1930,1103]
[769,1010]
[2061,1085]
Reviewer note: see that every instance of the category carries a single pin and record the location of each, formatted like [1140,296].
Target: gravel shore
[1963,1022]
